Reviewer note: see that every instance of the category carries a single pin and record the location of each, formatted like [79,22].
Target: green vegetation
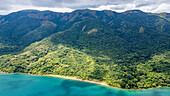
[127,50]
[45,58]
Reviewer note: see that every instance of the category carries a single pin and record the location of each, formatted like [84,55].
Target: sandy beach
[74,78]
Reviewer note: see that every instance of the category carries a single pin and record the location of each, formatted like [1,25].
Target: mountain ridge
[103,45]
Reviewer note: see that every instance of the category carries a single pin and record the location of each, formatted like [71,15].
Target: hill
[127,50]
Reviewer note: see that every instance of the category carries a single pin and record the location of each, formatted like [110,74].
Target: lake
[31,85]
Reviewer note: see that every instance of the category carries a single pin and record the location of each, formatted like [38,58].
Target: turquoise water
[28,85]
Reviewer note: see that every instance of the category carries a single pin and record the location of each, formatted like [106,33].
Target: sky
[154,6]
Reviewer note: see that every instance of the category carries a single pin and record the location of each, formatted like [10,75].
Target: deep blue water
[28,85]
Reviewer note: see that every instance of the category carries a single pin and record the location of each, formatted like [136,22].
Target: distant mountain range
[127,50]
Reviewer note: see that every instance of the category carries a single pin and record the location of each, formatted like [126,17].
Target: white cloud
[163,8]
[117,8]
[8,6]
[18,8]
[55,9]
[146,6]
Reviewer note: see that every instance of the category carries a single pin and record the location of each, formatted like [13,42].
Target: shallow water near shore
[31,85]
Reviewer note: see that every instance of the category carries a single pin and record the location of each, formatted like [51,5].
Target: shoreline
[76,79]
[66,77]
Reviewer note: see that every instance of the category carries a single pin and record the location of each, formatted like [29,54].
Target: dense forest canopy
[127,50]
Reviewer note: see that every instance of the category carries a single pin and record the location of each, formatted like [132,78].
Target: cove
[32,85]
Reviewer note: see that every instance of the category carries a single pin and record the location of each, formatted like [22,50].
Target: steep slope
[133,45]
[21,28]
[127,50]
[16,28]
[92,37]
[164,15]
[45,57]
[46,29]
[142,18]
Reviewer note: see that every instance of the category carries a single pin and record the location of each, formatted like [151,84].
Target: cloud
[7,6]
[154,6]
[75,3]
[118,8]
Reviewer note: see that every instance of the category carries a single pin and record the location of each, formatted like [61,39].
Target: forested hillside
[127,50]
